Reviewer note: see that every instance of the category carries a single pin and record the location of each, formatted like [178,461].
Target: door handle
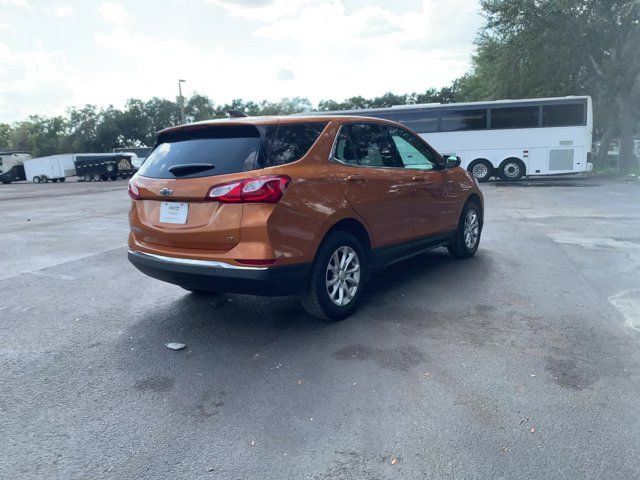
[356,178]
[418,179]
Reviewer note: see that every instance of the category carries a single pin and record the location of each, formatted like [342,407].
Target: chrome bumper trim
[193,262]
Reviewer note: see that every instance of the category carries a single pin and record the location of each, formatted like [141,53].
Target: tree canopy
[525,49]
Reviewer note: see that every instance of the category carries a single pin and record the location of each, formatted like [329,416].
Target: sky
[60,53]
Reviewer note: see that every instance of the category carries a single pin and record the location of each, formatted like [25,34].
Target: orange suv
[303,205]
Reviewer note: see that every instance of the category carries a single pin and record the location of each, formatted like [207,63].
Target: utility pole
[180,82]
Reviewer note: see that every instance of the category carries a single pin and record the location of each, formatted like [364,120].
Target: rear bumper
[223,277]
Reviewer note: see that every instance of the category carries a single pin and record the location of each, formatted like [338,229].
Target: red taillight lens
[267,189]
[134,193]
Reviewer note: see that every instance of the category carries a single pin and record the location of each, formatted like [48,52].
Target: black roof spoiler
[236,114]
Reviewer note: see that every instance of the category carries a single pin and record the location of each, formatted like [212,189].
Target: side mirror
[453,161]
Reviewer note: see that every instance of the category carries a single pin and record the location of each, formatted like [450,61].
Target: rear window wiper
[188,168]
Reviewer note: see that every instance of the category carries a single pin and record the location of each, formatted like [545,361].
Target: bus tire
[61,180]
[45,179]
[36,179]
[512,170]
[87,177]
[96,177]
[481,169]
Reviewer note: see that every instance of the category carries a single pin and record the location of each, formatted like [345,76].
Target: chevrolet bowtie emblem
[165,192]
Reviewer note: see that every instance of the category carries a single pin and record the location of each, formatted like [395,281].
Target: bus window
[453,120]
[514,117]
[566,115]
[423,122]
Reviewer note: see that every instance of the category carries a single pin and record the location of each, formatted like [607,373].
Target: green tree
[563,47]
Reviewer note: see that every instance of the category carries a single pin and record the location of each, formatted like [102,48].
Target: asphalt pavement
[522,362]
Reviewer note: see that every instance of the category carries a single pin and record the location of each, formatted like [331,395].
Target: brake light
[267,189]
[134,192]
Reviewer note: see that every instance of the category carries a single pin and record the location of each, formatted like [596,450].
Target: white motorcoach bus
[505,138]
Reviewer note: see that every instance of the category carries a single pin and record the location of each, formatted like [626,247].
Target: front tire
[467,237]
[337,278]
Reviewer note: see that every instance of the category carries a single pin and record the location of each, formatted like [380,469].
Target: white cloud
[33,82]
[62,11]
[17,3]
[262,10]
[112,12]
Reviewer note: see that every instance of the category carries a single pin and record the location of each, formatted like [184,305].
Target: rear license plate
[174,212]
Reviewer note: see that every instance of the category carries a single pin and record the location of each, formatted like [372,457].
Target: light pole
[180,82]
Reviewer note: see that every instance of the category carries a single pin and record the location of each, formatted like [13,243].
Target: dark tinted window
[563,115]
[453,120]
[292,142]
[228,149]
[421,122]
[515,117]
[366,145]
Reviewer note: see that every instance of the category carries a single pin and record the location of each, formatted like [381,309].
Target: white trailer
[55,168]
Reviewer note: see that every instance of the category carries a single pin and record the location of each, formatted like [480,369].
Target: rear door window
[366,145]
[215,150]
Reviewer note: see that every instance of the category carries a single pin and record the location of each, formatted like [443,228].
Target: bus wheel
[511,170]
[54,180]
[87,177]
[96,177]
[36,179]
[481,169]
[45,179]
[61,179]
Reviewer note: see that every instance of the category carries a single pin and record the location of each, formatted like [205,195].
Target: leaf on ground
[394,460]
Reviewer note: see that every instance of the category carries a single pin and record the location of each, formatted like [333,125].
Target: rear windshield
[228,149]
[219,150]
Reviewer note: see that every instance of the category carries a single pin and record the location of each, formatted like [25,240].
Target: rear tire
[87,177]
[36,179]
[481,169]
[6,182]
[511,170]
[467,237]
[96,177]
[61,180]
[337,277]
[45,179]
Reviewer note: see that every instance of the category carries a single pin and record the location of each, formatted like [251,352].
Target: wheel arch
[353,226]
[474,197]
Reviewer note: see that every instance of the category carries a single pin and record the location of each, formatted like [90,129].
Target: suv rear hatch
[173,184]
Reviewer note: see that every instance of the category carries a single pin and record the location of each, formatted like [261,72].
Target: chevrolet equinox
[302,205]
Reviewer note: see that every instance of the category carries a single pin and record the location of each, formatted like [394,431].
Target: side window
[514,117]
[366,145]
[454,120]
[292,142]
[563,115]
[413,153]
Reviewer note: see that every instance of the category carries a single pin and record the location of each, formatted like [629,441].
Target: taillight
[267,189]
[134,192]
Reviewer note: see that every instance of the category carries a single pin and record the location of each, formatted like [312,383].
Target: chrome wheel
[343,276]
[511,170]
[471,229]
[480,170]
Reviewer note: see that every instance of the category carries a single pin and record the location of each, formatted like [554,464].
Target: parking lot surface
[523,362]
